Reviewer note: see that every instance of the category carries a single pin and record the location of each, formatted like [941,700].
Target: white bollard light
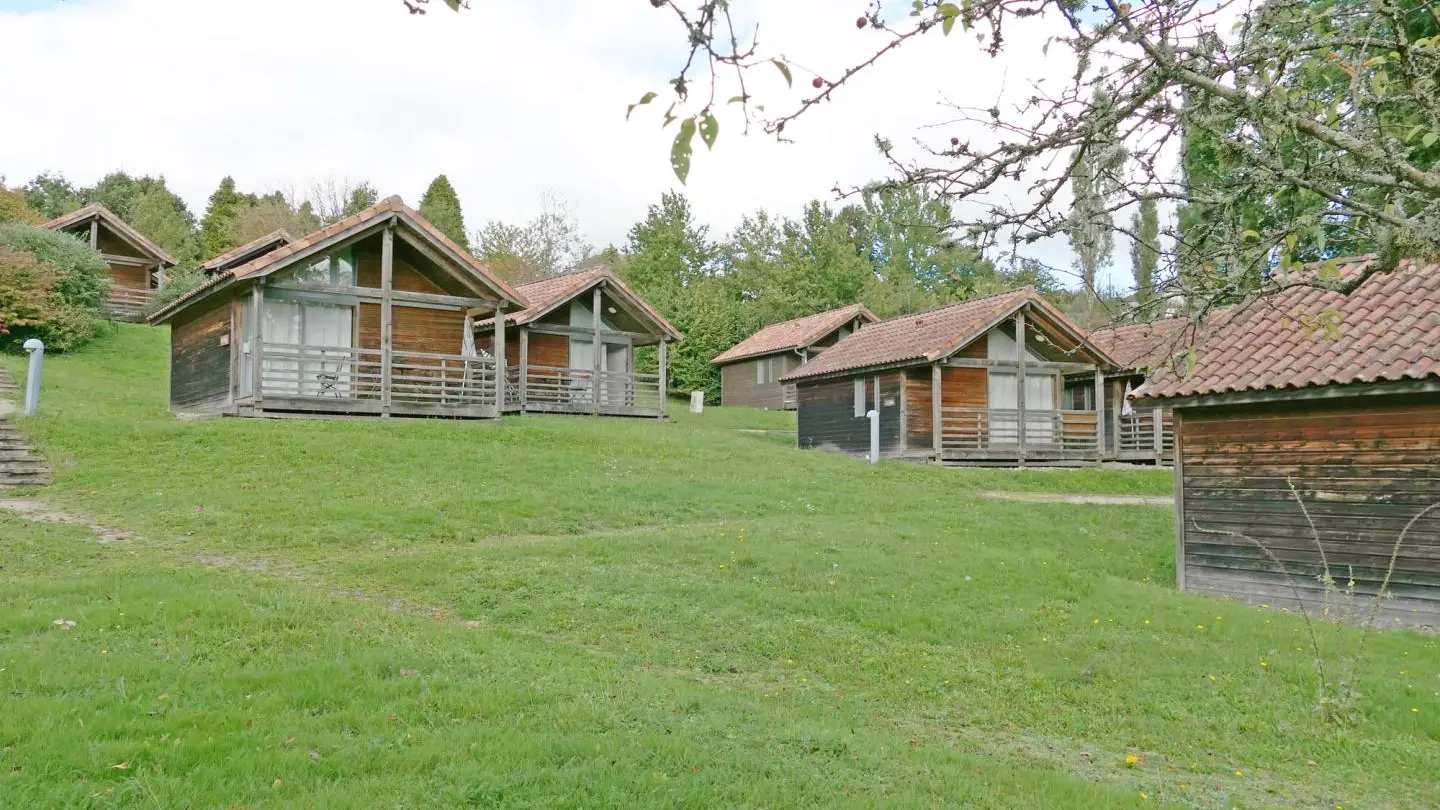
[36,348]
[874,417]
[697,402]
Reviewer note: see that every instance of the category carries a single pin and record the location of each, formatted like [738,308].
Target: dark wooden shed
[750,371]
[1307,440]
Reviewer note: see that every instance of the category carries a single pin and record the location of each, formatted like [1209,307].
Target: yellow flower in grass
[1131,760]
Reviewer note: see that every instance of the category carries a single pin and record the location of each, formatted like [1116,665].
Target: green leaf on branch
[681,150]
[785,71]
[453,4]
[645,99]
[1429,140]
[736,100]
[948,13]
[709,130]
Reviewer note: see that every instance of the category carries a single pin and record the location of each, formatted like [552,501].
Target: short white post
[874,417]
[697,402]
[36,348]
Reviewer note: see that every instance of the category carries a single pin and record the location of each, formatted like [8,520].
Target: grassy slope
[614,613]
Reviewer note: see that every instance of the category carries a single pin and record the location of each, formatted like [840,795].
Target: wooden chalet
[1001,380]
[365,317]
[246,253]
[1313,413]
[137,265]
[750,371]
[1144,434]
[552,361]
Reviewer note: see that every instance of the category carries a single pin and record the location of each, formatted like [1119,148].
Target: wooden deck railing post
[257,342]
[1100,448]
[524,377]
[387,348]
[1020,383]
[1159,435]
[664,375]
[596,352]
[501,367]
[95,234]
[937,413]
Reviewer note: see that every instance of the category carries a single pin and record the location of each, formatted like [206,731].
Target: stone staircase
[20,465]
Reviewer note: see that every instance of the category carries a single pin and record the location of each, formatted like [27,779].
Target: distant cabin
[246,253]
[368,316]
[750,371]
[1000,380]
[1139,434]
[573,349]
[1310,406]
[137,265]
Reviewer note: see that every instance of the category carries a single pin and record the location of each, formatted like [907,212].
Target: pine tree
[441,207]
[217,228]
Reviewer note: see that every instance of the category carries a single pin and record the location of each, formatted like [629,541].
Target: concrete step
[17,453]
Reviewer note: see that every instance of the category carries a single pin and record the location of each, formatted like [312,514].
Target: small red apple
[817,83]
[861,22]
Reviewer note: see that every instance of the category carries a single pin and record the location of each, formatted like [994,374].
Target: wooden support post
[937,410]
[1020,383]
[160,276]
[95,234]
[597,350]
[524,366]
[1155,419]
[664,375]
[387,315]
[502,371]
[1179,509]
[1100,449]
[257,342]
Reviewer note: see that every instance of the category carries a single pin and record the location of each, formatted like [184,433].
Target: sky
[512,99]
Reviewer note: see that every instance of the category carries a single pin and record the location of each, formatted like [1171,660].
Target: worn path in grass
[620,613]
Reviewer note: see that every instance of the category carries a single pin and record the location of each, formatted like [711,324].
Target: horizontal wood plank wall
[130,277]
[407,277]
[826,418]
[545,350]
[964,387]
[199,363]
[738,386]
[1363,468]
[416,329]
[979,350]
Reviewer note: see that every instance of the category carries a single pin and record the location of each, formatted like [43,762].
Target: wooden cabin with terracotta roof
[369,316]
[137,265]
[551,356]
[1144,434]
[247,252]
[1307,436]
[750,371]
[1001,380]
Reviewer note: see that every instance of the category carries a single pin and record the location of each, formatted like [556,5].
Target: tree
[332,200]
[666,252]
[52,195]
[217,227]
[165,219]
[1094,182]
[1145,250]
[52,286]
[441,206]
[551,243]
[274,212]
[1330,108]
[13,207]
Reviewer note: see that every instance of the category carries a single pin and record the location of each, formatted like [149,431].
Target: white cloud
[509,99]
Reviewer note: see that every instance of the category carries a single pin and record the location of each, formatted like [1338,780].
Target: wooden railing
[999,429]
[575,390]
[128,303]
[342,373]
[1135,435]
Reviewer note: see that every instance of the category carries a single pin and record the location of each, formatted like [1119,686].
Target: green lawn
[572,612]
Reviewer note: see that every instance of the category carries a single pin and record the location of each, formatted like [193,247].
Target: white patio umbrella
[1126,409]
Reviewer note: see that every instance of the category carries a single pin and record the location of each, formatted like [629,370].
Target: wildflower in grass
[1131,760]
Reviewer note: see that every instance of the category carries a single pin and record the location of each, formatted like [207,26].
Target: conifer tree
[217,228]
[441,206]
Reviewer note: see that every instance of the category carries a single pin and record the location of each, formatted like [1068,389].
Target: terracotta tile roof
[278,258]
[1141,346]
[548,293]
[114,223]
[791,335]
[1303,337]
[929,336]
[252,246]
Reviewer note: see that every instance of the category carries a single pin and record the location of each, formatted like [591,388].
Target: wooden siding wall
[826,418]
[545,350]
[130,277]
[1364,468]
[416,329]
[199,364]
[109,243]
[738,386]
[407,277]
[959,387]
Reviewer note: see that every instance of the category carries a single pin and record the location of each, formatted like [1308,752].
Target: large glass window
[334,270]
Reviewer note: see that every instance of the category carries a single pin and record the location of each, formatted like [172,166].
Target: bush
[178,282]
[83,277]
[32,305]
[52,286]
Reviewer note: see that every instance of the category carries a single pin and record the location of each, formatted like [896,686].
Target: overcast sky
[511,99]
